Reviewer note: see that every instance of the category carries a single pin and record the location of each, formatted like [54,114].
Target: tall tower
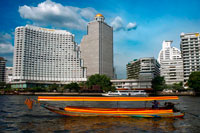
[190,49]
[97,47]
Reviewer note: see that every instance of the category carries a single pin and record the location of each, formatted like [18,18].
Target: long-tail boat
[109,112]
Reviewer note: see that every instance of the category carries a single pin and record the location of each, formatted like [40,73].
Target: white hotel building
[171,64]
[47,55]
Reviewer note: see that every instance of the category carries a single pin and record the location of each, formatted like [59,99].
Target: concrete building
[143,69]
[132,83]
[2,69]
[171,64]
[190,49]
[46,55]
[97,47]
[8,74]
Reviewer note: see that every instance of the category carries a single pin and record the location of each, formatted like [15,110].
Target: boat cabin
[126,93]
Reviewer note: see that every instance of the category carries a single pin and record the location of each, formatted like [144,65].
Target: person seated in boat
[170,105]
[155,104]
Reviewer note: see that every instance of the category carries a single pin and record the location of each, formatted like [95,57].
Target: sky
[140,26]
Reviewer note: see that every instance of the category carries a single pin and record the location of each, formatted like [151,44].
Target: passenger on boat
[155,104]
[170,105]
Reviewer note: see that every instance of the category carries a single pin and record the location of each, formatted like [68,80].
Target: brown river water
[16,117]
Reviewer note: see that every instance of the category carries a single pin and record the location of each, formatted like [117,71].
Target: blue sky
[140,25]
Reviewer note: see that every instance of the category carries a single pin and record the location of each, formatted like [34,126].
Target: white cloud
[147,40]
[6,48]
[118,25]
[55,14]
[88,13]
[131,26]
[5,37]
[9,59]
[5,45]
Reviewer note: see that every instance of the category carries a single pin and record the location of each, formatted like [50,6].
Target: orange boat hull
[114,112]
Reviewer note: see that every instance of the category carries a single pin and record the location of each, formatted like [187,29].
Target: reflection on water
[15,117]
[101,124]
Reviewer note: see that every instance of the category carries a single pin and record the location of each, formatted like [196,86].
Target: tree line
[95,83]
[101,83]
[158,83]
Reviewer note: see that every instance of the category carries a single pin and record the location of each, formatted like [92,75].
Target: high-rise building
[97,47]
[171,64]
[8,74]
[42,54]
[143,69]
[2,69]
[190,49]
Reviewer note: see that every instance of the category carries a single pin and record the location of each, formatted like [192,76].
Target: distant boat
[126,93]
[167,111]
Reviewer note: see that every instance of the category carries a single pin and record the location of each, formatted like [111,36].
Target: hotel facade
[42,54]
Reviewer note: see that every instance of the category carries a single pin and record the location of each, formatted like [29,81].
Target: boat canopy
[48,98]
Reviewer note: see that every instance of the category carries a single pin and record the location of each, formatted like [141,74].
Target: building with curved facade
[42,54]
[171,64]
[8,74]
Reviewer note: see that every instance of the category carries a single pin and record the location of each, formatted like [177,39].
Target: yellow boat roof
[50,98]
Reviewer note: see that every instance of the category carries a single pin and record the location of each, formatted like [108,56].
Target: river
[16,117]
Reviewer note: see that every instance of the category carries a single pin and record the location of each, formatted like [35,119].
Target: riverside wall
[50,93]
[158,93]
[186,93]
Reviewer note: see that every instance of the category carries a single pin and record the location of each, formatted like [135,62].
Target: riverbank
[184,93]
[159,93]
[50,93]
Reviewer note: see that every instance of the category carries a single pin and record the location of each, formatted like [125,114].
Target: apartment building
[143,69]
[2,69]
[190,50]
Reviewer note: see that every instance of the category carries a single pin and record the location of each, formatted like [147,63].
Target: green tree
[8,86]
[2,85]
[37,89]
[52,87]
[109,88]
[72,86]
[177,86]
[194,81]
[158,83]
[102,81]
[82,84]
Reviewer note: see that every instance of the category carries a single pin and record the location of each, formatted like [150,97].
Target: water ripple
[15,117]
